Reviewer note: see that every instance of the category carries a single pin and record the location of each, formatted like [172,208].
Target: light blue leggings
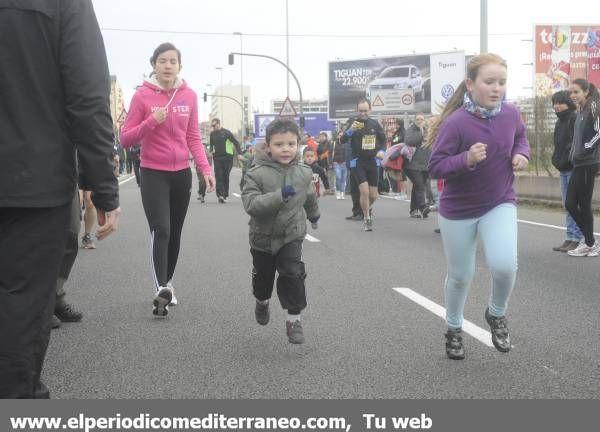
[497,230]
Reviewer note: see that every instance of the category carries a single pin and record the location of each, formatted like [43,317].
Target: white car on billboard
[398,78]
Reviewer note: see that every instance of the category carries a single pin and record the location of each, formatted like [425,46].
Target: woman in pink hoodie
[163,118]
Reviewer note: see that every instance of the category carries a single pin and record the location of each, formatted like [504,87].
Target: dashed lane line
[126,180]
[478,333]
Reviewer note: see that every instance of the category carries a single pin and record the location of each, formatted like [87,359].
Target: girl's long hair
[456,101]
[593,98]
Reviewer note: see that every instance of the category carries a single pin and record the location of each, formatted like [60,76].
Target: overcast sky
[355,29]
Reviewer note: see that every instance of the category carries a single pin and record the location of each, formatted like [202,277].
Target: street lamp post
[289,70]
[483,27]
[219,68]
[243,131]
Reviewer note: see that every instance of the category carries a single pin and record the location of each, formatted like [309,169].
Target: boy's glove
[287,191]
[313,223]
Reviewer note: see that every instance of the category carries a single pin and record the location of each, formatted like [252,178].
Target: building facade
[117,104]
[309,106]
[225,105]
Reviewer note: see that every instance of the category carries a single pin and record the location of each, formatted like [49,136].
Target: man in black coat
[55,91]
[221,147]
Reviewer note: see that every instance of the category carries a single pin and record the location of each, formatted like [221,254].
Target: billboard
[564,53]
[313,123]
[394,85]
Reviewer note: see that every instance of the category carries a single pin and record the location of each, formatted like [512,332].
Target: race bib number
[315,178]
[368,142]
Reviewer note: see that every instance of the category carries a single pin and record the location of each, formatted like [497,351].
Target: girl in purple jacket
[163,117]
[478,142]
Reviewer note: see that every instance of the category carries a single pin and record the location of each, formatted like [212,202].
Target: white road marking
[478,333]
[126,180]
[523,221]
[237,195]
[312,239]
[546,225]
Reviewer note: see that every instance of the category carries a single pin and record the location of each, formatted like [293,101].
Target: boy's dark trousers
[290,282]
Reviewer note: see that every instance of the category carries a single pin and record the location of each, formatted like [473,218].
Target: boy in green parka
[279,196]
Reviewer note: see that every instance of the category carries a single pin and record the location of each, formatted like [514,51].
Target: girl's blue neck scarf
[479,111]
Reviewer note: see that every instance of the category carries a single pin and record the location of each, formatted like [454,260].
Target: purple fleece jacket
[472,192]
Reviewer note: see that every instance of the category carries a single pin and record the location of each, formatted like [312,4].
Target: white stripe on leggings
[157,286]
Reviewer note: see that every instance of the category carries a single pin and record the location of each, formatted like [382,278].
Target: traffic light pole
[289,70]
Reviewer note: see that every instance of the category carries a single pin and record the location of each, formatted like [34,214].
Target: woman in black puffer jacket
[566,112]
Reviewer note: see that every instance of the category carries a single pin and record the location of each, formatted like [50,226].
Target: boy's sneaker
[499,328]
[87,242]
[173,299]
[454,345]
[368,224]
[416,214]
[161,302]
[582,250]
[425,212]
[201,199]
[261,312]
[221,200]
[342,195]
[294,332]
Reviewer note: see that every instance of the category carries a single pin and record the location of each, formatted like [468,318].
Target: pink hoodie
[165,146]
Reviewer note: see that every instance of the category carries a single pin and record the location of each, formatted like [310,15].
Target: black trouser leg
[417,196]
[428,191]
[180,200]
[263,274]
[222,170]
[579,200]
[290,281]
[136,171]
[165,197]
[71,248]
[355,194]
[201,185]
[32,241]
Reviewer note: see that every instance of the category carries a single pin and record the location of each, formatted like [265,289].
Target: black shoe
[261,312]
[560,248]
[55,322]
[425,212]
[437,231]
[161,302]
[294,332]
[499,329]
[201,198]
[454,345]
[221,200]
[65,312]
[356,217]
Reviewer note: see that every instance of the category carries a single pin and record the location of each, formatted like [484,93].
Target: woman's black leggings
[579,199]
[165,196]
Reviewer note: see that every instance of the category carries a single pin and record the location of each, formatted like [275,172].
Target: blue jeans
[341,174]
[573,231]
[497,230]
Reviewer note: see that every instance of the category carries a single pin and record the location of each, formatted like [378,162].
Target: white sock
[292,318]
[264,302]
